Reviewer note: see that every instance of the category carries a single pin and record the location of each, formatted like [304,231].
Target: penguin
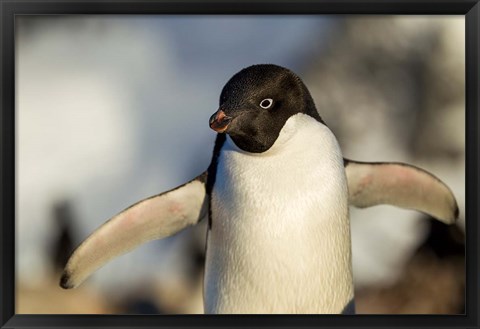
[276,196]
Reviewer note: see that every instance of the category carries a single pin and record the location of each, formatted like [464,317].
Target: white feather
[150,219]
[280,236]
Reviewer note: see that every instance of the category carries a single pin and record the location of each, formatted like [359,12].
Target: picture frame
[12,8]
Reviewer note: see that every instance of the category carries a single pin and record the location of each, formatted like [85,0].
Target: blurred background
[113,109]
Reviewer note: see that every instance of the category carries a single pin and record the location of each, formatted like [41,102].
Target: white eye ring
[266,103]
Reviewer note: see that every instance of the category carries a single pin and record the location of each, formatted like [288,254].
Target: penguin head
[255,104]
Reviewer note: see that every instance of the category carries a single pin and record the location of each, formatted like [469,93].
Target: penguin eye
[266,103]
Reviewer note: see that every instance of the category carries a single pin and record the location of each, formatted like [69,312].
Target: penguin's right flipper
[401,185]
[153,218]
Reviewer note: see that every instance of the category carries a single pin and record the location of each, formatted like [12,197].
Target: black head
[255,104]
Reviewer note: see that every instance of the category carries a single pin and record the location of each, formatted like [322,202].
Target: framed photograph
[114,112]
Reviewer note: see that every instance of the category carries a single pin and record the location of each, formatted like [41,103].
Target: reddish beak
[219,121]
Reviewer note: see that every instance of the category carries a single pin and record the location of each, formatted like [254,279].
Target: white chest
[280,238]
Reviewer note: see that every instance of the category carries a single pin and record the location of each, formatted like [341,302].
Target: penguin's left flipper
[401,185]
[153,218]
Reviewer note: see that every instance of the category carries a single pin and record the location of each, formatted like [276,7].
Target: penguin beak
[219,121]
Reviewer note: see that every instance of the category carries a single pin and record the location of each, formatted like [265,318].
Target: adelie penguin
[276,195]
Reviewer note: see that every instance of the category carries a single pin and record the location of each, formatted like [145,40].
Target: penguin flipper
[401,185]
[153,218]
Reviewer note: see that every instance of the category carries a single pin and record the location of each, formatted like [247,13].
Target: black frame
[10,8]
